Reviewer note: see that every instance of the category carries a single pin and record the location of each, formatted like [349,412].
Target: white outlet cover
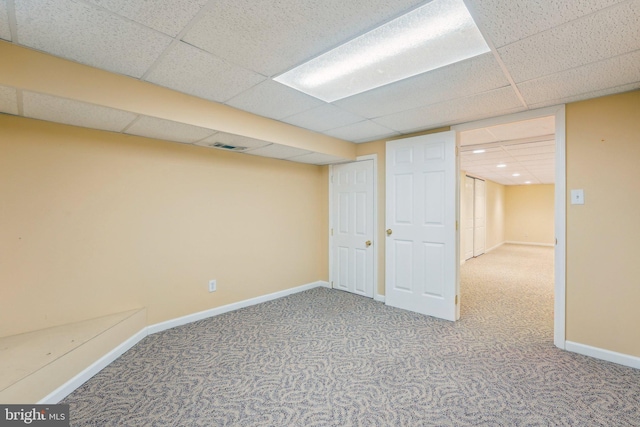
[577,197]
[212,285]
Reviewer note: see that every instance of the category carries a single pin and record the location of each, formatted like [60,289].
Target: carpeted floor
[329,358]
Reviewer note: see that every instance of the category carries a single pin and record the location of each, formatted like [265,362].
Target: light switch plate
[577,197]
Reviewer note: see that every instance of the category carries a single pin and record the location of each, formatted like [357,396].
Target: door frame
[374,158]
[560,207]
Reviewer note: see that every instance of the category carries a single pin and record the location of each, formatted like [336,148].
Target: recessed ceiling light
[439,33]
[516,174]
[478,151]
[501,165]
[527,182]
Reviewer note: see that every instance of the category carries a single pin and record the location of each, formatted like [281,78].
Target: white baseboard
[530,243]
[64,390]
[379,298]
[158,327]
[494,247]
[602,354]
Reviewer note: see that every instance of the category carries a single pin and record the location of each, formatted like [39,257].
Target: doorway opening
[521,157]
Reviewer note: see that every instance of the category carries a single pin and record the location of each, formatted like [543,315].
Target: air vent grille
[222,146]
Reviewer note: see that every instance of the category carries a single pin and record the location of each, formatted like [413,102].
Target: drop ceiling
[543,53]
[517,153]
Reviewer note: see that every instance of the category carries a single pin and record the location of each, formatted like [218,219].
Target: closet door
[480,213]
[467,217]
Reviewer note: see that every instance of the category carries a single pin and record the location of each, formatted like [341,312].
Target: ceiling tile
[608,33]
[539,165]
[526,150]
[610,73]
[487,104]
[489,154]
[278,151]
[318,159]
[476,136]
[76,113]
[270,37]
[168,16]
[507,22]
[519,130]
[543,159]
[541,126]
[153,127]
[458,80]
[362,132]
[234,140]
[323,118]
[86,34]
[589,95]
[8,100]
[191,70]
[274,100]
[5,32]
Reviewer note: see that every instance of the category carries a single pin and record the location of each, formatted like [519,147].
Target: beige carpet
[329,358]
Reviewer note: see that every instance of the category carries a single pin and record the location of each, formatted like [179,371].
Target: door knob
[368,243]
[389,232]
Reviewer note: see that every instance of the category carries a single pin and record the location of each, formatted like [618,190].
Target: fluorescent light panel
[439,33]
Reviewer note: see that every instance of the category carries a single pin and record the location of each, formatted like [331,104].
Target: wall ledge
[34,364]
[602,354]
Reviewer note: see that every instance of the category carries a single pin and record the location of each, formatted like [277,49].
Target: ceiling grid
[542,53]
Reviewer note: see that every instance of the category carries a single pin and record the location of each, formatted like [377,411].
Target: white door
[421,264]
[352,227]
[479,223]
[466,217]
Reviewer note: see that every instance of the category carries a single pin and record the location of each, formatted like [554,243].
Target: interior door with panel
[421,192]
[352,227]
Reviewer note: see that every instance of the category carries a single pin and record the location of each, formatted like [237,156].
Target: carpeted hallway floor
[329,358]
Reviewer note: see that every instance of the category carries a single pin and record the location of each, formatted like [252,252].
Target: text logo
[34,415]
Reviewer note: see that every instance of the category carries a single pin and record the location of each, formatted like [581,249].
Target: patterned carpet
[329,358]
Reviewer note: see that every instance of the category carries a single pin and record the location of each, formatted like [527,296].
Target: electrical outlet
[212,285]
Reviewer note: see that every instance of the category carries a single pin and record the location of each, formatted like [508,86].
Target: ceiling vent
[222,146]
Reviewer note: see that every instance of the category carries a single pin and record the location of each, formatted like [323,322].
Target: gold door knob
[389,232]
[368,243]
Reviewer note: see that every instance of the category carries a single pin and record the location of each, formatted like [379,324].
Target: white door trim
[558,111]
[559,321]
[376,239]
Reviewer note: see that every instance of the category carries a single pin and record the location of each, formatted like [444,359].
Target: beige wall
[95,223]
[496,214]
[530,214]
[603,272]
